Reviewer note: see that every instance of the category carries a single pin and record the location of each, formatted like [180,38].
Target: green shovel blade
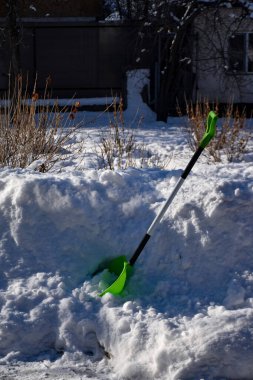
[121,268]
[210,129]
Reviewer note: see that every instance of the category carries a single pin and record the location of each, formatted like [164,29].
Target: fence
[81,59]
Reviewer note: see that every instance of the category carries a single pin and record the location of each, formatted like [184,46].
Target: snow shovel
[120,266]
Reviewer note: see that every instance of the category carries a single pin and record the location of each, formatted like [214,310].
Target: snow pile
[187,312]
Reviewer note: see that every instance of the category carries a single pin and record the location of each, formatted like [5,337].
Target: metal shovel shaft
[165,207]
[123,267]
[209,134]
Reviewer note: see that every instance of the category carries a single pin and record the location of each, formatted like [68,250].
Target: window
[240,53]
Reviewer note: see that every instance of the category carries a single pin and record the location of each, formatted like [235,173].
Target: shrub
[32,129]
[117,147]
[231,137]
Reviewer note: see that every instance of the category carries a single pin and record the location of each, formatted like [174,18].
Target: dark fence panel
[68,55]
[81,60]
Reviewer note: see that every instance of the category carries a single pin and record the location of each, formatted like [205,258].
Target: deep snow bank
[187,311]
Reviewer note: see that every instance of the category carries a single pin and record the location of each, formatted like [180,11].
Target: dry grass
[232,137]
[118,147]
[117,144]
[33,130]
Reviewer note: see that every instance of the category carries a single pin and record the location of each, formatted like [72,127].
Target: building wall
[214,80]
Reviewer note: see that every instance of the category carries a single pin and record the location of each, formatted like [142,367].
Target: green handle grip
[210,129]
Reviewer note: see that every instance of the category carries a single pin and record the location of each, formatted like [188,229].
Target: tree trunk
[119,8]
[129,9]
[146,10]
[171,81]
[14,41]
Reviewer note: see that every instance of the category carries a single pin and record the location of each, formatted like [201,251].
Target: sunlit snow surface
[187,312]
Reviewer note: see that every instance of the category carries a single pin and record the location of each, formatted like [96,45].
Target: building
[223,56]
[86,57]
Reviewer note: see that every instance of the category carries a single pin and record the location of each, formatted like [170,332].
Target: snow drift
[187,312]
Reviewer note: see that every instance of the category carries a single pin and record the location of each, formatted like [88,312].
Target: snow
[187,311]
[33,8]
[115,16]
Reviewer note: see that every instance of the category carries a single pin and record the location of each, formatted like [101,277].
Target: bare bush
[118,147]
[117,144]
[231,137]
[32,129]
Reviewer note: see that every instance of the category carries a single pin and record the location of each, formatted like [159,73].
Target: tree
[178,59]
[11,33]
[176,22]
